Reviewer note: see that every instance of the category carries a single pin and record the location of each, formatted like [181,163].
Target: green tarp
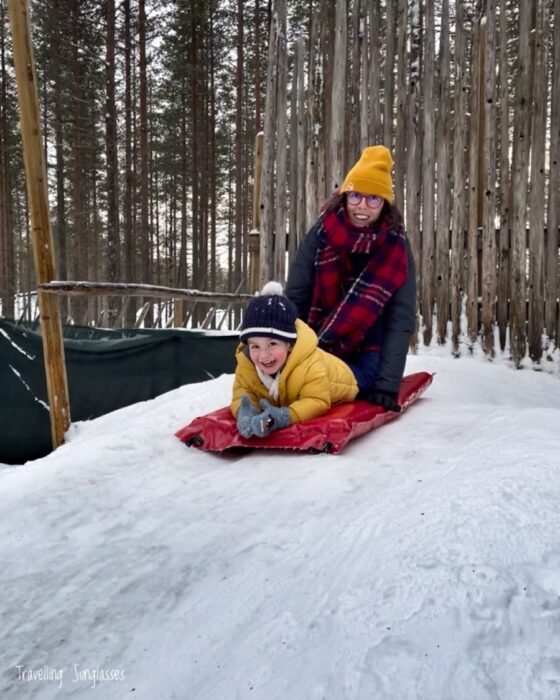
[107,369]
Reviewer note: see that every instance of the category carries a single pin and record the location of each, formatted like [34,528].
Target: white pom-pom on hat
[272,289]
[270,314]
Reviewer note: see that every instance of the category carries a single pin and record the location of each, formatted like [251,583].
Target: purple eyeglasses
[372,200]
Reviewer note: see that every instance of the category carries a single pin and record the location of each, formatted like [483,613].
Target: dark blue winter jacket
[393,329]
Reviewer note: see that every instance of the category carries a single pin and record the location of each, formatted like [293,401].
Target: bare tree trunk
[442,159]
[239,118]
[375,131]
[95,263]
[313,94]
[212,161]
[112,170]
[257,71]
[400,138]
[364,95]
[78,204]
[195,156]
[338,99]
[269,151]
[302,128]
[230,231]
[520,168]
[155,221]
[458,216]
[428,178]
[293,177]
[389,76]
[280,193]
[328,30]
[129,247]
[204,180]
[61,223]
[488,287]
[413,146]
[297,213]
[504,183]
[146,252]
[353,98]
[7,262]
[474,220]
[536,197]
[553,213]
[182,269]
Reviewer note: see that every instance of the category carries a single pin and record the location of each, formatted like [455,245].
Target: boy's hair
[270,315]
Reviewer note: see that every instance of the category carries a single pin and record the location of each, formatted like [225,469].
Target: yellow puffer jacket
[311,381]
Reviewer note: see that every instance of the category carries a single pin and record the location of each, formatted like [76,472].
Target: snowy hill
[421,563]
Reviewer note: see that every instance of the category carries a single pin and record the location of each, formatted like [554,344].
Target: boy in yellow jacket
[282,377]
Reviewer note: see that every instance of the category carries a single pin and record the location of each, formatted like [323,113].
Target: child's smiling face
[268,354]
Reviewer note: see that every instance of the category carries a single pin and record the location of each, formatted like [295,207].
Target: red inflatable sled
[217,431]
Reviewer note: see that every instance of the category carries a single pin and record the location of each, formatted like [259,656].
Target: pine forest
[190,144]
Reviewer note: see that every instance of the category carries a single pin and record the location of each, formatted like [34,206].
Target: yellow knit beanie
[371,174]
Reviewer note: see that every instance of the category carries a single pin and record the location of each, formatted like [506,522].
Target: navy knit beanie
[271,315]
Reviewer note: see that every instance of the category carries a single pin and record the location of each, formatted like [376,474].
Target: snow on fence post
[42,240]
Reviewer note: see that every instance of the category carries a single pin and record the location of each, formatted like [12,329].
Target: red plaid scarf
[344,308]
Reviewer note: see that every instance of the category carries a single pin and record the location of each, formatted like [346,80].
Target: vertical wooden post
[42,241]
[474,185]
[338,100]
[458,217]
[488,288]
[482,124]
[481,174]
[266,242]
[254,235]
[280,204]
[178,313]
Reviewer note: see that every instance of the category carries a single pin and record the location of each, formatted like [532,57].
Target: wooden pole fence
[115,289]
[42,240]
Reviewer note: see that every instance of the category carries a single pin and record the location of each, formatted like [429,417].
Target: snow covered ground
[421,563]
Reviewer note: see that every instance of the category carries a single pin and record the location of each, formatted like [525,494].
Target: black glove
[385,399]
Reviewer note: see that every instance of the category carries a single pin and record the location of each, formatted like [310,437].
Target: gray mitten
[244,415]
[272,418]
